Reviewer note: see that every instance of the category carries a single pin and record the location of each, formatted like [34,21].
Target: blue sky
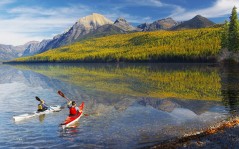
[27,20]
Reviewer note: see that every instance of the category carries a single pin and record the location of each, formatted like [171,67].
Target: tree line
[230,34]
[194,45]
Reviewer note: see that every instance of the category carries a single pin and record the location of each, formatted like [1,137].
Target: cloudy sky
[27,20]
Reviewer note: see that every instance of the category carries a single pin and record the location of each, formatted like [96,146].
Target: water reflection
[230,86]
[71,131]
[182,81]
[42,117]
[131,104]
[113,86]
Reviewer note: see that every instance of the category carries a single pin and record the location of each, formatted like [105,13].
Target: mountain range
[163,24]
[96,25]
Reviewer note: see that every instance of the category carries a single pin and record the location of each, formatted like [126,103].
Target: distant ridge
[196,22]
[10,52]
[162,24]
[124,25]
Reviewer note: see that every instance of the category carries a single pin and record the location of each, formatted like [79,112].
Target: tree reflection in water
[230,87]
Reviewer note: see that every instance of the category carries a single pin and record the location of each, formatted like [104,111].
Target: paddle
[62,95]
[38,99]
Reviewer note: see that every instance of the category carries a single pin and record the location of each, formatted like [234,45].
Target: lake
[127,105]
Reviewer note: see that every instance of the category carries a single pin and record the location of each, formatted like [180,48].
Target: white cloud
[150,3]
[38,23]
[5,2]
[219,9]
[115,11]
[154,3]
[130,18]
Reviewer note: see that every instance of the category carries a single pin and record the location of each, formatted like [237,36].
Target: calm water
[129,105]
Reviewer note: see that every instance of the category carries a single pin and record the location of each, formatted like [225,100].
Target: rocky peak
[120,20]
[196,22]
[198,17]
[124,25]
[85,25]
[81,28]
[168,20]
[162,24]
[144,26]
[95,20]
[165,23]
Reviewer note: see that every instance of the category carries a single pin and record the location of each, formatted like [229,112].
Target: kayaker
[73,109]
[41,106]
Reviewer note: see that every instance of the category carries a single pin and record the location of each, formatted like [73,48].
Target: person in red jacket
[73,109]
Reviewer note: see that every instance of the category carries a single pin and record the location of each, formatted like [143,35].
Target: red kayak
[72,119]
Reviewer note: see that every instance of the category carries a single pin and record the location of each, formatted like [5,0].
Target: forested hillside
[194,45]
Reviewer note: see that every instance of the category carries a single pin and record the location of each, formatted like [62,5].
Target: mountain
[82,27]
[120,26]
[35,47]
[105,30]
[30,47]
[144,26]
[162,24]
[196,22]
[8,52]
[95,25]
[124,25]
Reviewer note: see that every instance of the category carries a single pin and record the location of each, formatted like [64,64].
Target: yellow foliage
[139,46]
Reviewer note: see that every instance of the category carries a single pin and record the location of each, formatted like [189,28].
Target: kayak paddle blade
[37,98]
[61,94]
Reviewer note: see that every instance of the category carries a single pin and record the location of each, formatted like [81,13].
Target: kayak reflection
[69,132]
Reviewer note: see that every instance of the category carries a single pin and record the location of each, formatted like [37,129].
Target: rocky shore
[224,135]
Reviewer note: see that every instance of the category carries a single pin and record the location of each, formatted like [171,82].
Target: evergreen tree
[233,38]
[224,37]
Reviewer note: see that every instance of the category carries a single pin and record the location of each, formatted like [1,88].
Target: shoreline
[200,138]
[190,60]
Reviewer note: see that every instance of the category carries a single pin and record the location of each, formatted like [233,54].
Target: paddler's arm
[45,105]
[69,104]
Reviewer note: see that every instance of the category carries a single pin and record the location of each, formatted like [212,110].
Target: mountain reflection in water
[134,105]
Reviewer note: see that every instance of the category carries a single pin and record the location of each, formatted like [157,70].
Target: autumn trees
[194,45]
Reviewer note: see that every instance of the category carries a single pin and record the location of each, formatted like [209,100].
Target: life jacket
[73,111]
[41,107]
